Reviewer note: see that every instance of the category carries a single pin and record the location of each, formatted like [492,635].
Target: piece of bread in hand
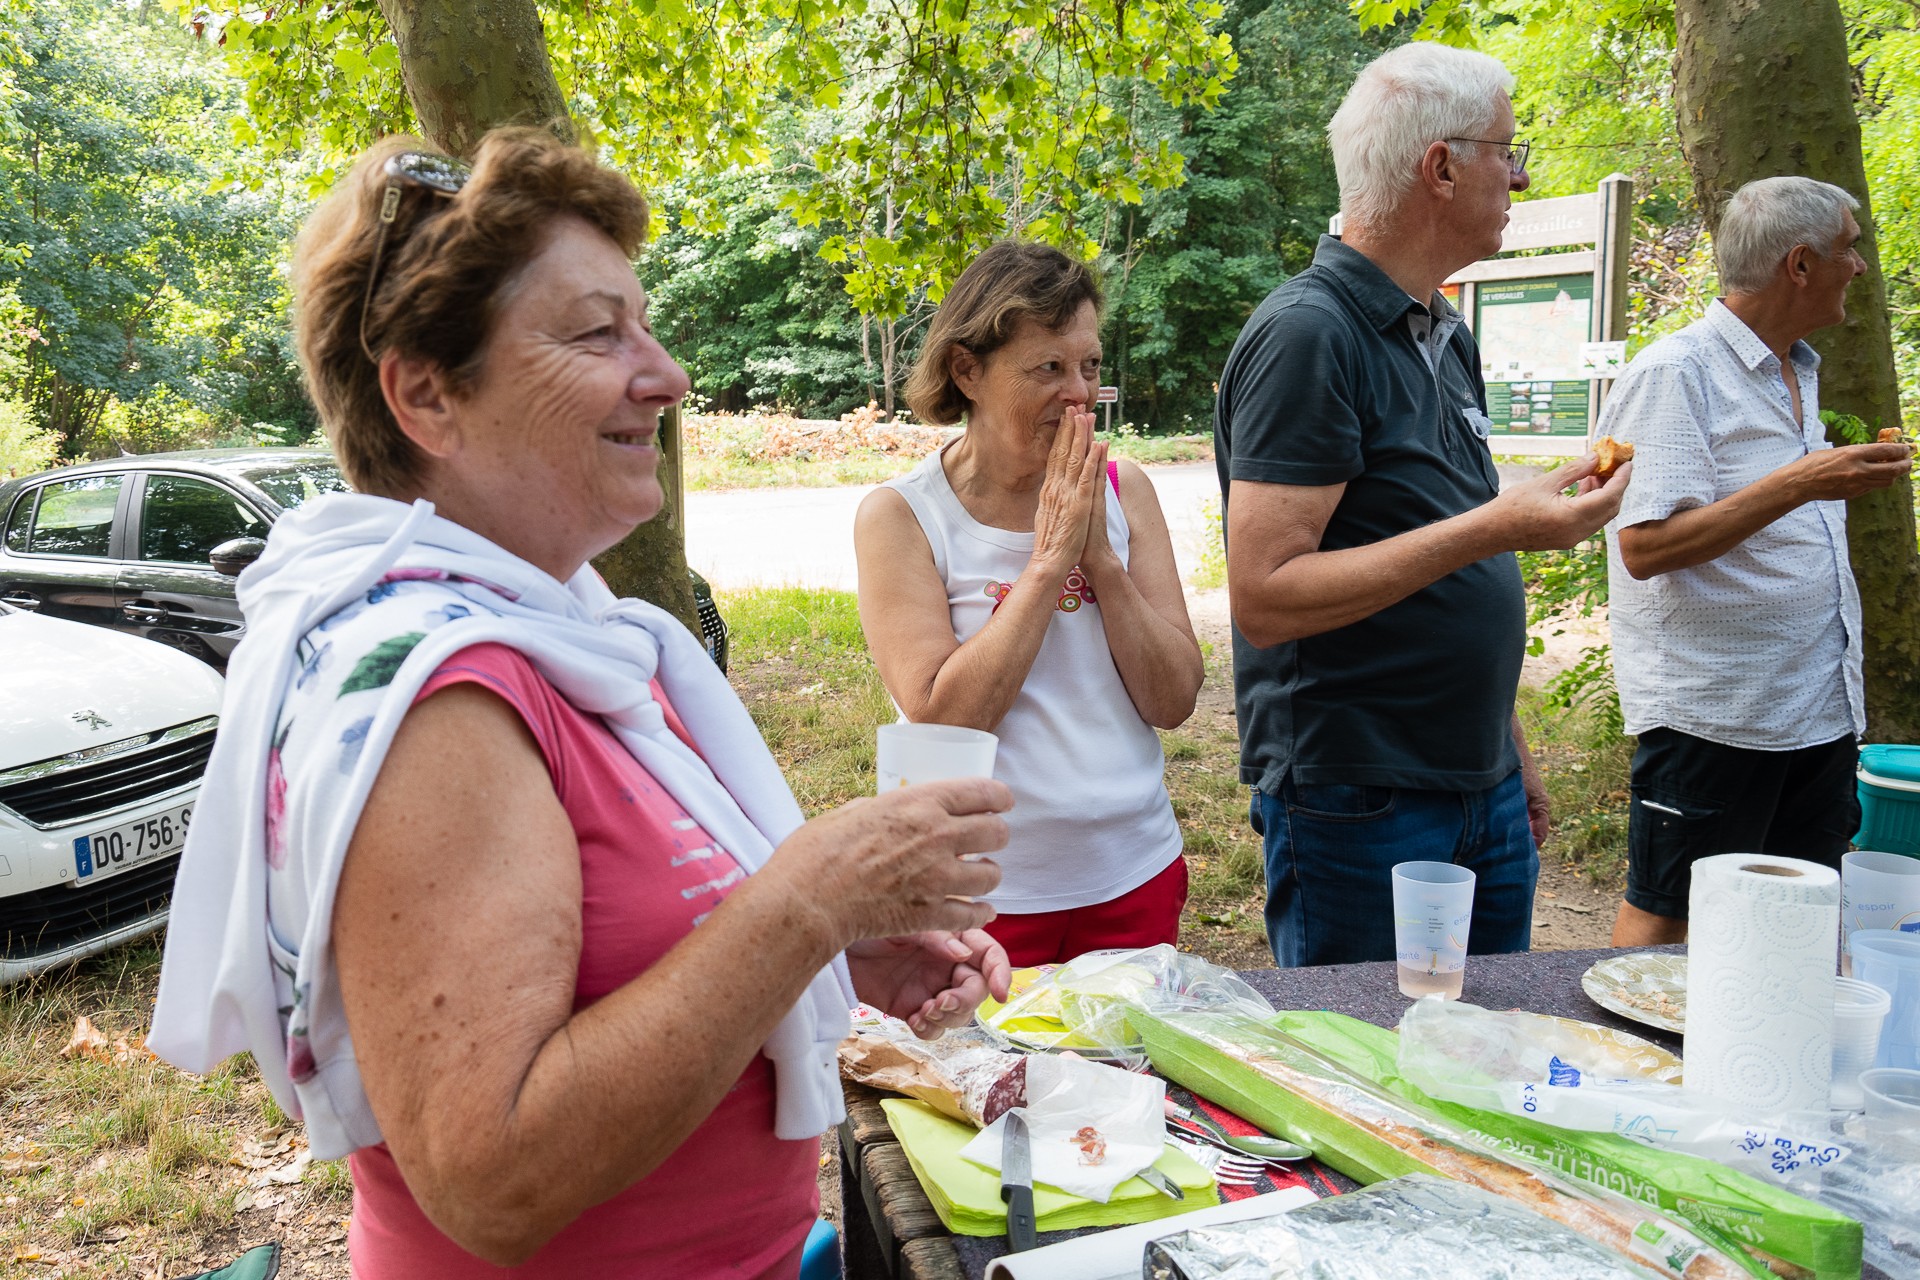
[1611,454]
[1890,435]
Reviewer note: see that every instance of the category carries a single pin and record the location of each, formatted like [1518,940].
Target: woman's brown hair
[448,267]
[1012,281]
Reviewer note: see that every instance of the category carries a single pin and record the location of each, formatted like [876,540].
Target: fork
[1227,1168]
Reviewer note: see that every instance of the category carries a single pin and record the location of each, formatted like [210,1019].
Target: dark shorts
[1693,798]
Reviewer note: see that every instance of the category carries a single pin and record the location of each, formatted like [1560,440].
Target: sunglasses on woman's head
[442,175]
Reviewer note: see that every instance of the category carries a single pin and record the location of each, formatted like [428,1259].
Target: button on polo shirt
[1327,385]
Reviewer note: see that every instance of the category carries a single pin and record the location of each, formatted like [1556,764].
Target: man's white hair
[1403,102]
[1766,219]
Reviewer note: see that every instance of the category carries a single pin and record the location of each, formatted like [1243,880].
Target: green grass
[800,662]
[1212,569]
[122,1165]
[1585,762]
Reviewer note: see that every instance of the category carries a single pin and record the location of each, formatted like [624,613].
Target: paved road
[804,537]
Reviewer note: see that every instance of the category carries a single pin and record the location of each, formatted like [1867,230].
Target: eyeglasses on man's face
[442,175]
[1516,151]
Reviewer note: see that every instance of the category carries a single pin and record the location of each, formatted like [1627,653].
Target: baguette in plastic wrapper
[1286,1086]
[1414,1228]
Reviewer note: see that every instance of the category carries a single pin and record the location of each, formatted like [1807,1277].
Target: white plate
[1644,986]
[116,849]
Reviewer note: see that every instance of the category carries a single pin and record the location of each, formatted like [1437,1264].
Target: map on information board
[1531,333]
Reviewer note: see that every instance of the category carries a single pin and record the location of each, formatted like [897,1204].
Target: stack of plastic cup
[1893,1095]
[1858,1010]
[1891,962]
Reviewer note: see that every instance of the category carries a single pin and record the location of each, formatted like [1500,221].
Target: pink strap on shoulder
[1113,477]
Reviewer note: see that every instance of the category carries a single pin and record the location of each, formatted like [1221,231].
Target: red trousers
[1141,917]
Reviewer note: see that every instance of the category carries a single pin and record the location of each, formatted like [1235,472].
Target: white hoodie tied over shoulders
[231,978]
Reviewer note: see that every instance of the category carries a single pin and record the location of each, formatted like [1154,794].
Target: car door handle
[142,613]
[22,600]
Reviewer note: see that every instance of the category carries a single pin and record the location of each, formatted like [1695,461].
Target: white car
[103,738]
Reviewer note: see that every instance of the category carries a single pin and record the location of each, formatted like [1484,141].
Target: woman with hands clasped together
[1019,582]
[491,871]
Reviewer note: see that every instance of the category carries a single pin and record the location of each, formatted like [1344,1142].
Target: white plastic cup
[1892,1095]
[1858,1010]
[1891,962]
[1432,912]
[910,753]
[1877,891]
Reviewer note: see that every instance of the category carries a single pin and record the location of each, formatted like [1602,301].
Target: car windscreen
[292,484]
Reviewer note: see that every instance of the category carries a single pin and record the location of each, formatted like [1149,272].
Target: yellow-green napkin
[967,1195]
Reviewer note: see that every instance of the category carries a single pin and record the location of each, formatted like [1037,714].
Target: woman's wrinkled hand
[1098,553]
[933,981]
[898,863]
[1067,494]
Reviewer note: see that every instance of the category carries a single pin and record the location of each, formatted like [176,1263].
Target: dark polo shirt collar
[1382,302]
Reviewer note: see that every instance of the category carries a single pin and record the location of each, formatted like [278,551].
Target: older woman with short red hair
[491,871]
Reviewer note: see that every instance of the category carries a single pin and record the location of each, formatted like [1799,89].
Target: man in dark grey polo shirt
[1379,617]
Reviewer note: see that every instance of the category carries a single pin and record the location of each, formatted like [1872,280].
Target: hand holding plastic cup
[1858,1010]
[1432,911]
[1877,891]
[910,753]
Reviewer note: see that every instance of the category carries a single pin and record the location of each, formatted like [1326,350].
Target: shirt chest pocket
[1464,432]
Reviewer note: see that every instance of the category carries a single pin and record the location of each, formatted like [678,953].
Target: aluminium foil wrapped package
[1418,1227]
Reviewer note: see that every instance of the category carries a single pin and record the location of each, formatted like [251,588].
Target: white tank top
[1091,819]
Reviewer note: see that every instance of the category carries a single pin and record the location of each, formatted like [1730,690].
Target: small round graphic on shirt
[1077,591]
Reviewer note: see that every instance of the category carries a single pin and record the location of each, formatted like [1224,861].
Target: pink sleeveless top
[733,1200]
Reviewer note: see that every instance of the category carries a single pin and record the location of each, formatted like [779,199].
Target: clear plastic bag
[1508,1062]
[1527,1065]
[1414,1228]
[1352,1123]
[1082,1005]
[967,1074]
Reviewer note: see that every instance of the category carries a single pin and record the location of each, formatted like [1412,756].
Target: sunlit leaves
[949,123]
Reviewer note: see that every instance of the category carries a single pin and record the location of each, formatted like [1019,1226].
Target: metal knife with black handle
[1016,1184]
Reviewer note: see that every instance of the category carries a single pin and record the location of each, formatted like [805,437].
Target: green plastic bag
[262,1263]
[1240,1063]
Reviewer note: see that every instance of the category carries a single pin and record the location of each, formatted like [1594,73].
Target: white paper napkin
[1066,1095]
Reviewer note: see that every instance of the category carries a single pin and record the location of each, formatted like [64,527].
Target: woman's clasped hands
[1070,526]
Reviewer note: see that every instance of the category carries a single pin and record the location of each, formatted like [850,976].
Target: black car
[151,544]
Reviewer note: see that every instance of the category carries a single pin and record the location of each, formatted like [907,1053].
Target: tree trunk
[1764,89]
[470,65]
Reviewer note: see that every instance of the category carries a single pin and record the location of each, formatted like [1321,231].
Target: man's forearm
[1321,591]
[1700,534]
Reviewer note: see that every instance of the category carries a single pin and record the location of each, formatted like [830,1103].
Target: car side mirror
[235,554]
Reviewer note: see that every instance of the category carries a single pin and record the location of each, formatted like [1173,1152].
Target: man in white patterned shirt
[1736,622]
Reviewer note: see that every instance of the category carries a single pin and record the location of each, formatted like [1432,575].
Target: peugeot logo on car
[92,719]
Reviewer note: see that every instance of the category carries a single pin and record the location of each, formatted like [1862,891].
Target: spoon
[1261,1145]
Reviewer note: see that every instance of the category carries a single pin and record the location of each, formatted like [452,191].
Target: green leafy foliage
[1188,266]
[940,126]
[134,281]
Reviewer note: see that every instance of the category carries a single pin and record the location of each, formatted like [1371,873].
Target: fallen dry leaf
[17,1163]
[87,1040]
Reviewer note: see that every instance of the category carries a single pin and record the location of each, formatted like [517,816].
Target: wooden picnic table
[891,1231]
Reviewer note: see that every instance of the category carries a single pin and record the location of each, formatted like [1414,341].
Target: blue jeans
[1331,850]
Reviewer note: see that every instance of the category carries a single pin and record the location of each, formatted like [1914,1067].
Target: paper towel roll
[1761,956]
